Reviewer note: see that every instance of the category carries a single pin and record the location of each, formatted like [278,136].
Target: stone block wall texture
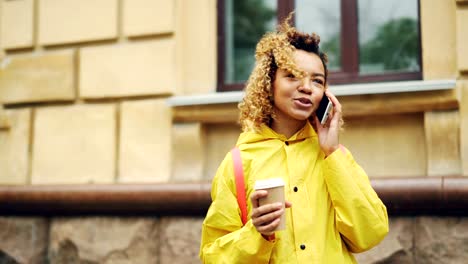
[174,240]
[38,78]
[438,16]
[23,239]
[74,144]
[69,21]
[15,146]
[148,17]
[104,240]
[188,148]
[464,126]
[20,14]
[84,85]
[136,69]
[462,37]
[145,141]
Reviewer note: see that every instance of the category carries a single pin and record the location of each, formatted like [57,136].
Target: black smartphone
[324,109]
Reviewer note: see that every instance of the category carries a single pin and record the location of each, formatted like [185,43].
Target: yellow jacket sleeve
[224,239]
[361,216]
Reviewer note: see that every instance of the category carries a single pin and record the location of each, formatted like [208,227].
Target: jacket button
[295,189]
[302,246]
[287,143]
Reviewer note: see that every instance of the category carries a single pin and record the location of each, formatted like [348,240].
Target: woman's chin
[302,116]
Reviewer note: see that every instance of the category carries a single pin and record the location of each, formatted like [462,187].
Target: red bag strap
[240,185]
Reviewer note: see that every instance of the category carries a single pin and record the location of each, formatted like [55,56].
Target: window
[366,40]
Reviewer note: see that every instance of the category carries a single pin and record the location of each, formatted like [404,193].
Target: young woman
[331,209]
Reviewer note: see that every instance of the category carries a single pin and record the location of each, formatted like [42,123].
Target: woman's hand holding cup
[268,207]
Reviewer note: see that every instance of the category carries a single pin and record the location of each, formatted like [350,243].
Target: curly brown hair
[274,50]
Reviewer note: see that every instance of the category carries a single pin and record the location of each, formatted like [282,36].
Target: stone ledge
[338,90]
[402,196]
[357,100]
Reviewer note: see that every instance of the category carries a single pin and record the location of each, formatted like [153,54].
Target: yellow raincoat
[334,209]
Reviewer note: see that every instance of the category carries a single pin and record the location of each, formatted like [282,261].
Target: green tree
[251,20]
[332,47]
[395,45]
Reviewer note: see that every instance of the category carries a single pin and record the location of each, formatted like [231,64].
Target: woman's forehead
[305,57]
[308,63]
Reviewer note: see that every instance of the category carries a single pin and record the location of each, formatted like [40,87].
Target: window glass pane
[388,36]
[246,22]
[323,18]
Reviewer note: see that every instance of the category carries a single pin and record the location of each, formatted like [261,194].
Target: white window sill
[338,90]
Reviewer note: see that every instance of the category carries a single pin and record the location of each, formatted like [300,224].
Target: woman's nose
[305,86]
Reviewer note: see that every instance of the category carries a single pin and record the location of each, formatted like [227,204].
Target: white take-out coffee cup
[275,188]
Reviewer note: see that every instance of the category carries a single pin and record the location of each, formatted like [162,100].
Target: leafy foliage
[333,49]
[251,19]
[395,45]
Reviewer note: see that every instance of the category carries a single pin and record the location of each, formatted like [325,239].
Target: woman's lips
[303,102]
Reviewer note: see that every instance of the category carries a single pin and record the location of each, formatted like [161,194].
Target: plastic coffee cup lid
[268,183]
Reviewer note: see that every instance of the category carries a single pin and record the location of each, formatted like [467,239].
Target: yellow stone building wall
[84,88]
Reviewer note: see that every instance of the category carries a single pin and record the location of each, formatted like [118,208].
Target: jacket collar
[265,133]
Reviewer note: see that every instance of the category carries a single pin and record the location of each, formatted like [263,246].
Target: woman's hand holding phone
[324,109]
[328,132]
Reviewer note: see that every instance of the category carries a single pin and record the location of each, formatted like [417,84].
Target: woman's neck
[287,127]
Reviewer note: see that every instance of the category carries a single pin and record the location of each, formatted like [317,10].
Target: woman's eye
[291,76]
[319,81]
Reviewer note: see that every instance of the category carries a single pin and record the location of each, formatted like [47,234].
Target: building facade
[125,92]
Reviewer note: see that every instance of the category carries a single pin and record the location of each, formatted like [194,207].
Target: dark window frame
[349,72]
